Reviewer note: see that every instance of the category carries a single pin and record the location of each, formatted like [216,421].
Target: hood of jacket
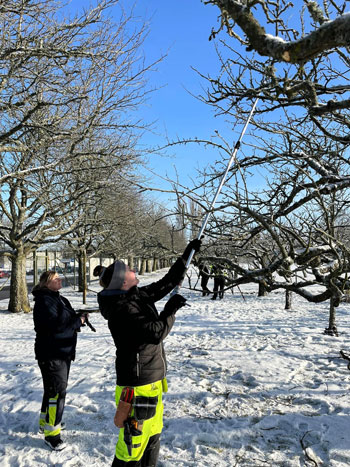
[108,300]
[39,291]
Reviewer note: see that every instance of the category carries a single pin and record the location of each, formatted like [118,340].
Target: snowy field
[250,384]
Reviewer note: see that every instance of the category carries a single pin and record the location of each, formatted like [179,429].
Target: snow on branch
[329,35]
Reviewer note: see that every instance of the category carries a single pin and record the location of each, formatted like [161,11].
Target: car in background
[4,274]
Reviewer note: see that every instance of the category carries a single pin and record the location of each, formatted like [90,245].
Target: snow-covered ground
[250,384]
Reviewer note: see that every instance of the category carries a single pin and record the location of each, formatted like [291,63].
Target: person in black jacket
[219,283]
[56,325]
[138,331]
[204,273]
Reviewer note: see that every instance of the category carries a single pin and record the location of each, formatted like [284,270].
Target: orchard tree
[307,41]
[138,227]
[296,62]
[87,237]
[67,90]
[292,232]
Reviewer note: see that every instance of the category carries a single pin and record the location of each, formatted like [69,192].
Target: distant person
[56,325]
[138,331]
[219,283]
[204,272]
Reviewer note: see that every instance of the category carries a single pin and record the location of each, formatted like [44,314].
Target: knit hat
[118,276]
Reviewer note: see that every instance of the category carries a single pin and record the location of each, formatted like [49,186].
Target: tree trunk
[82,273]
[288,302]
[262,290]
[332,313]
[155,264]
[131,262]
[148,265]
[47,261]
[19,300]
[332,328]
[143,266]
[35,268]
[137,263]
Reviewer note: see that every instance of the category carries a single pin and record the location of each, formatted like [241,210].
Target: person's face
[55,284]
[130,279]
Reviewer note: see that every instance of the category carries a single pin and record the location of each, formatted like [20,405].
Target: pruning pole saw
[222,182]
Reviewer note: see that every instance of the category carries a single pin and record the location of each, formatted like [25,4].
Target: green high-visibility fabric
[150,427]
[50,429]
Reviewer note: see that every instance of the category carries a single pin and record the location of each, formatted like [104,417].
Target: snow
[250,384]
[276,39]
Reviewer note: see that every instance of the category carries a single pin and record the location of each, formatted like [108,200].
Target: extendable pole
[222,182]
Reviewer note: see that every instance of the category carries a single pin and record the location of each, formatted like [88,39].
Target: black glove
[85,314]
[193,245]
[174,303]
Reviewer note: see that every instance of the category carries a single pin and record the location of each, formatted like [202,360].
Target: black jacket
[55,324]
[137,328]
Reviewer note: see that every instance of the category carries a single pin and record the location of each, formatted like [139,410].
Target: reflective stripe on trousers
[51,427]
[55,377]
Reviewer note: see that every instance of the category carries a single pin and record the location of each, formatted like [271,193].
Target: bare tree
[144,230]
[323,30]
[296,59]
[291,233]
[67,89]
[296,62]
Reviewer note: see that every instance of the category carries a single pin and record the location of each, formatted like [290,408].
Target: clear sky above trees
[181,31]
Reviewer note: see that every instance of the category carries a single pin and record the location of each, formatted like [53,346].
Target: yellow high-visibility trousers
[146,414]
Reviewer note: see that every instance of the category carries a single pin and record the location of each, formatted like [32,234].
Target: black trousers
[149,458]
[204,285]
[219,285]
[55,375]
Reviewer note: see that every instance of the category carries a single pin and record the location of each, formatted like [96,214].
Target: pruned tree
[266,30]
[292,231]
[295,56]
[295,60]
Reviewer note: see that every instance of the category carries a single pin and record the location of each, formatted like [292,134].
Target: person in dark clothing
[204,272]
[138,331]
[56,325]
[219,284]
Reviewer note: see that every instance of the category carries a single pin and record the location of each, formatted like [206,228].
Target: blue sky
[181,29]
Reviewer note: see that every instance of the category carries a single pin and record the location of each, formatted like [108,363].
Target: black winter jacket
[137,328]
[55,324]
